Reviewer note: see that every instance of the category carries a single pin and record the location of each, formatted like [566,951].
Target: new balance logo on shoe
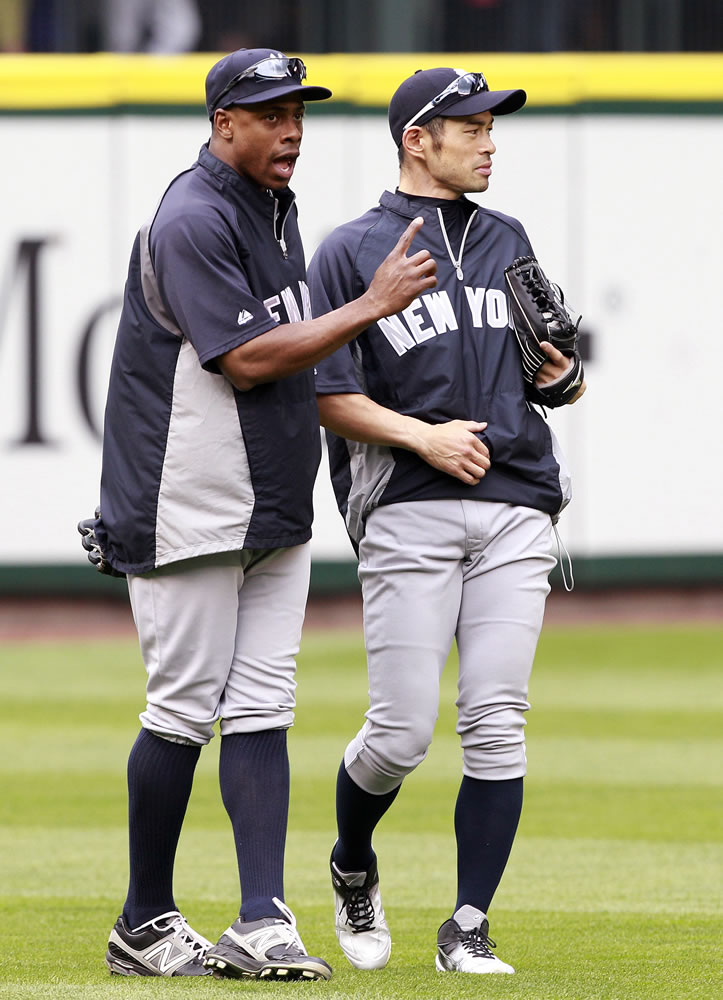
[169,958]
[164,946]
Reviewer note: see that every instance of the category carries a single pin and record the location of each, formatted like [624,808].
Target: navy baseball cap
[447,93]
[250,76]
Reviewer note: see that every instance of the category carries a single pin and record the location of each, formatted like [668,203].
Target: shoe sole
[118,967]
[223,968]
[442,967]
[126,965]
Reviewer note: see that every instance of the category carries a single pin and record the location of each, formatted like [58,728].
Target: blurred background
[613,168]
[348,26]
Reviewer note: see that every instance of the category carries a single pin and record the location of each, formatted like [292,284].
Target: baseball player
[449,482]
[210,453]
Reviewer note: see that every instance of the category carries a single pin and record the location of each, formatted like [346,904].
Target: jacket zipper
[280,239]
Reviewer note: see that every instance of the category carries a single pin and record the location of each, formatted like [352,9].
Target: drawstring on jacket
[456,262]
[560,549]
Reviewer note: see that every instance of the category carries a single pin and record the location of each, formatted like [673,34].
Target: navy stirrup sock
[357,814]
[160,777]
[254,778]
[485,822]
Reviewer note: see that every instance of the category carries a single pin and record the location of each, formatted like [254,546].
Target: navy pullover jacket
[451,354]
[191,465]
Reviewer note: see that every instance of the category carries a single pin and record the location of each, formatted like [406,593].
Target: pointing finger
[405,240]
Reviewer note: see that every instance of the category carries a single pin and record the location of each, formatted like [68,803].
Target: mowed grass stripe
[611,888]
[603,761]
[574,874]
[676,813]
[619,668]
[600,957]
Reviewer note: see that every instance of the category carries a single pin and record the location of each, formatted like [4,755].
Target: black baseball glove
[90,543]
[539,313]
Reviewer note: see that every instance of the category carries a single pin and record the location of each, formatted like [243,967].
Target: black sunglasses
[270,68]
[463,86]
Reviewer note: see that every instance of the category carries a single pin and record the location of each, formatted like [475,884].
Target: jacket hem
[211,548]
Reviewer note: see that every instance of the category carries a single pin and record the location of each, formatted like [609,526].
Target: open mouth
[284,165]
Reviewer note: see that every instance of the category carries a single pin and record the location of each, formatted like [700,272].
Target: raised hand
[400,279]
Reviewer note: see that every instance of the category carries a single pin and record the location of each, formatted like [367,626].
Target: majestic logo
[244,316]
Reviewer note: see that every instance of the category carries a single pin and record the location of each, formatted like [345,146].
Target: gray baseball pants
[432,571]
[219,636]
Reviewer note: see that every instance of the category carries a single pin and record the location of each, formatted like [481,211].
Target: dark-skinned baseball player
[210,453]
[449,482]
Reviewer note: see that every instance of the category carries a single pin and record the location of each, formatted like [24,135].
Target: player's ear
[413,141]
[222,124]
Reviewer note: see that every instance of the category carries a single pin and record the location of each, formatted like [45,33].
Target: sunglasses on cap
[270,68]
[463,86]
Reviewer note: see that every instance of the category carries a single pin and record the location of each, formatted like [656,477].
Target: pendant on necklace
[460,276]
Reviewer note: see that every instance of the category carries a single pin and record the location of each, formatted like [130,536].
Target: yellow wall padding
[97,81]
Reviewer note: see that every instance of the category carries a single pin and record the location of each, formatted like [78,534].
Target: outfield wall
[613,168]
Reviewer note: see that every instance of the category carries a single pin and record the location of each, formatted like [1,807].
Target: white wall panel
[623,211]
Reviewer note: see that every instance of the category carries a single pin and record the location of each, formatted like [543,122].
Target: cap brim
[501,102]
[272,93]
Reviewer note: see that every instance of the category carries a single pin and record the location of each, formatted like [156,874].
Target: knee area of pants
[402,758]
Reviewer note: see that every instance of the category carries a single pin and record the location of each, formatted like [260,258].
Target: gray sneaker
[269,948]
[164,946]
[464,944]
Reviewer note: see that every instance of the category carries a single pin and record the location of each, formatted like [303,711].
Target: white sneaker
[361,928]
[464,945]
[269,948]
[164,946]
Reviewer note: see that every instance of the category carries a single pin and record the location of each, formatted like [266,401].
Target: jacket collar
[410,206]
[224,176]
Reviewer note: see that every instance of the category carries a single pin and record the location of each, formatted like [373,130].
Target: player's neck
[419,182]
[419,189]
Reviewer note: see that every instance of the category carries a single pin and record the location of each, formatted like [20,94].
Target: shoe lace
[478,943]
[359,911]
[287,930]
[184,932]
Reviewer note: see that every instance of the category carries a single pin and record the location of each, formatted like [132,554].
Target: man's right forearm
[292,347]
[354,416]
[452,447]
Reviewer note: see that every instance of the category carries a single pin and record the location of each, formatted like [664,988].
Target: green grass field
[613,887]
